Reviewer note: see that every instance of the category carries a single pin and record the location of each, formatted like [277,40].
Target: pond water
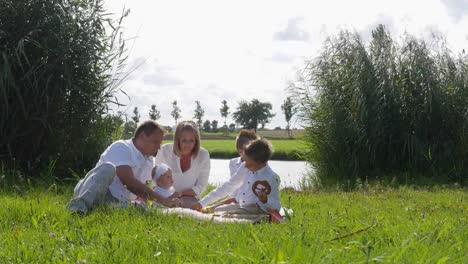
[290,172]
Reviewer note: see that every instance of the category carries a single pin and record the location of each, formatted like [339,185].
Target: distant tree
[232,127]
[117,122]
[289,110]
[136,115]
[199,113]
[168,128]
[224,113]
[128,129]
[207,126]
[175,111]
[154,113]
[250,115]
[214,126]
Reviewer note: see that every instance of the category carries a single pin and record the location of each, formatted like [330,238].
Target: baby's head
[162,176]
[244,137]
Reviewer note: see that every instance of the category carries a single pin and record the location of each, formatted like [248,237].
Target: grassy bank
[222,146]
[282,149]
[265,133]
[286,149]
[392,226]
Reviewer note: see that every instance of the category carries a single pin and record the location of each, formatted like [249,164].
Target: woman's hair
[148,127]
[187,126]
[259,150]
[244,137]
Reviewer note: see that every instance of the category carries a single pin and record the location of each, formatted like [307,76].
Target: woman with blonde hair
[190,162]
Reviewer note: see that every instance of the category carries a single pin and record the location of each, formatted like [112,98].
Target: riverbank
[222,146]
[282,149]
[279,134]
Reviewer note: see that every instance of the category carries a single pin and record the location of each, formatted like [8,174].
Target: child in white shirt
[243,138]
[257,185]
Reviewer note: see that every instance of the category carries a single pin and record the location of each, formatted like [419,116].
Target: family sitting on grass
[139,170]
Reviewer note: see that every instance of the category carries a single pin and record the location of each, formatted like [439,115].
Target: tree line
[249,115]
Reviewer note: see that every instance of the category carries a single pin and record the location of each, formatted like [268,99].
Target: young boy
[258,186]
[244,138]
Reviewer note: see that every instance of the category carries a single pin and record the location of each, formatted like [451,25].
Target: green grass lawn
[282,149]
[223,147]
[375,225]
[266,133]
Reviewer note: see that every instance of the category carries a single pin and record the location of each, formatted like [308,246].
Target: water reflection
[290,172]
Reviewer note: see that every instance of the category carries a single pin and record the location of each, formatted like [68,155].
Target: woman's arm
[203,172]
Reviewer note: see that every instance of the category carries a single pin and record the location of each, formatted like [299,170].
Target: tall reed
[60,65]
[385,109]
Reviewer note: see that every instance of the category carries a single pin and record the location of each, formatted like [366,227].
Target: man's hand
[176,195]
[188,192]
[196,206]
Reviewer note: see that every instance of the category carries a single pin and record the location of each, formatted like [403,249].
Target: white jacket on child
[244,180]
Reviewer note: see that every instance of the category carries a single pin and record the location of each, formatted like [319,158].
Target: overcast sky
[231,50]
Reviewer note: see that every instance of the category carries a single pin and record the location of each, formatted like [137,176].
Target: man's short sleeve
[118,154]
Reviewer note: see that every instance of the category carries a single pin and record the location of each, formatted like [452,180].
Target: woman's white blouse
[195,178]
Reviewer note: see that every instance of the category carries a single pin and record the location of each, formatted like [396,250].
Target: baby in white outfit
[163,184]
[162,178]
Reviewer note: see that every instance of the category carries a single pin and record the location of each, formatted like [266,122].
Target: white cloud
[292,31]
[162,76]
[457,9]
[215,50]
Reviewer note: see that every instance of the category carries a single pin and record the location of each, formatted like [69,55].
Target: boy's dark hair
[148,127]
[244,137]
[259,150]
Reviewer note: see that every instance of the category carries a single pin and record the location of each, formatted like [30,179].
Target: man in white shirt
[131,161]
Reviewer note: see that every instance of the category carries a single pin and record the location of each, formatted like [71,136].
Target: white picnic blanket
[211,217]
